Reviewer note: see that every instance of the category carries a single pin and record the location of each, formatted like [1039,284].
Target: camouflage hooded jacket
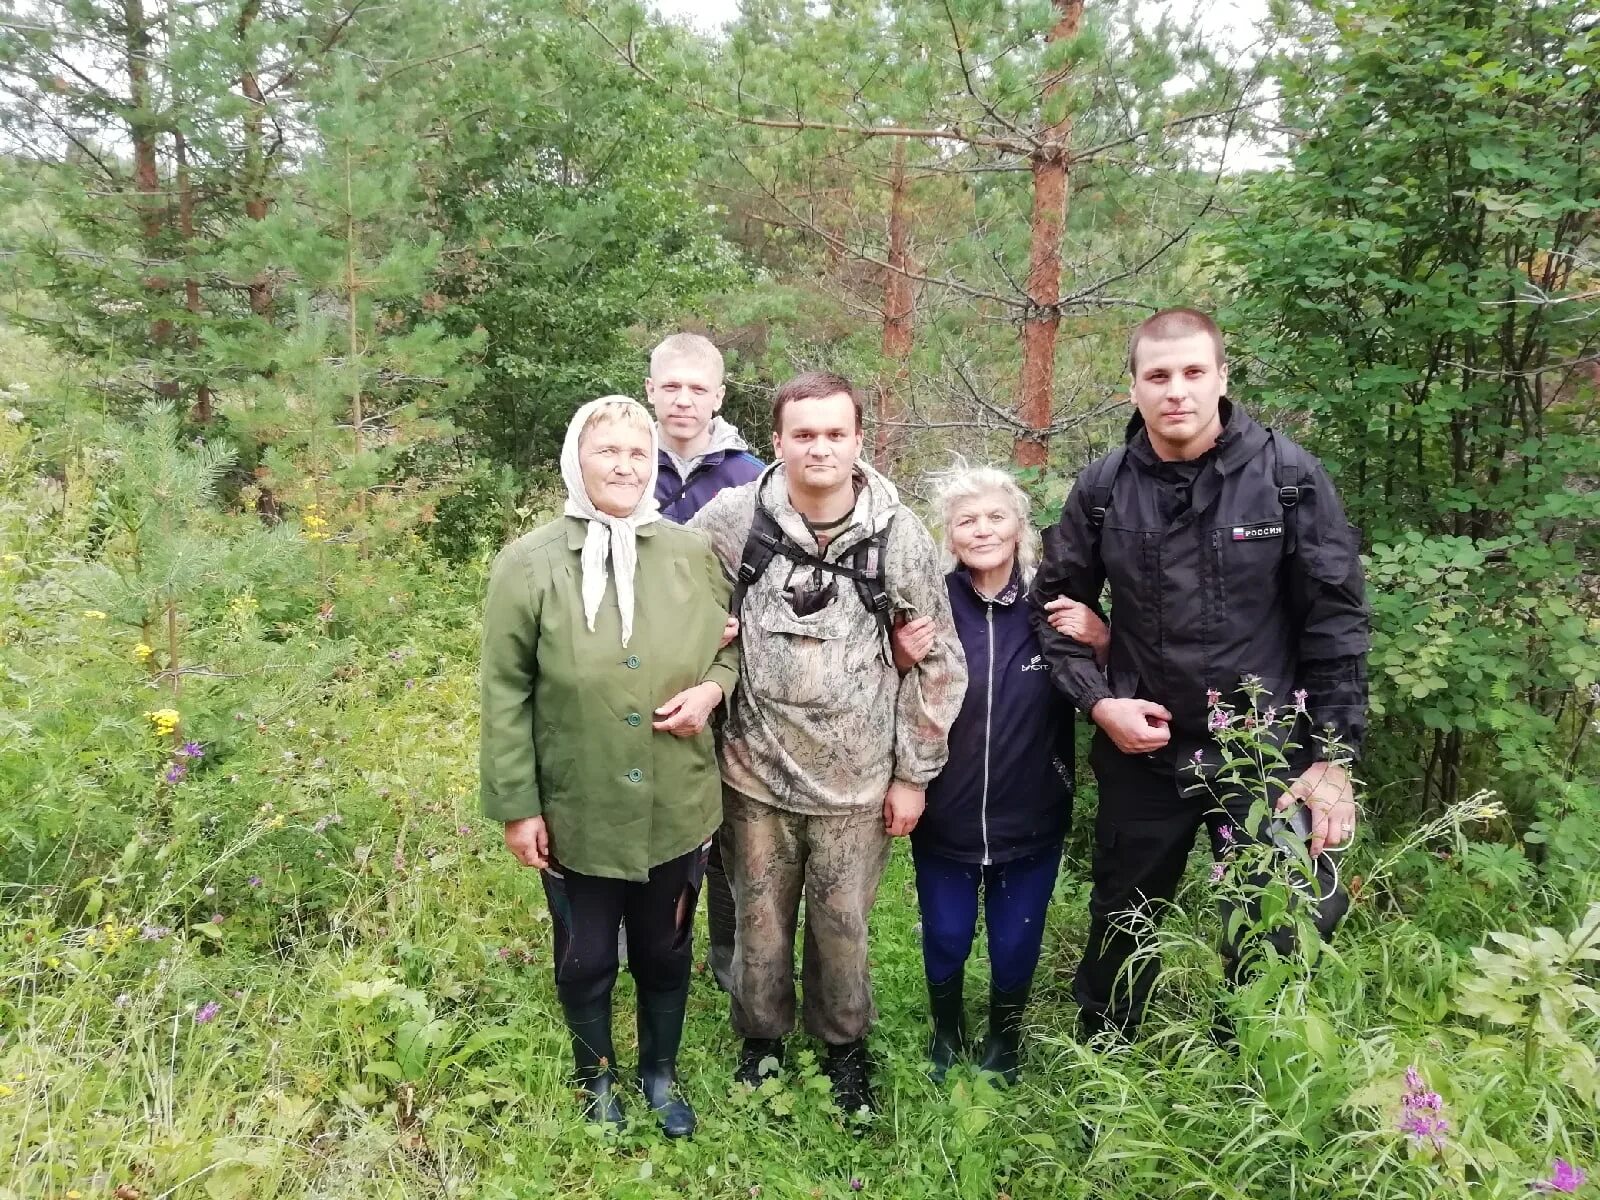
[820,722]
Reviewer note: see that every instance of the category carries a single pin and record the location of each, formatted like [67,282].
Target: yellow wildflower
[276,822]
[52,962]
[314,523]
[164,720]
[143,652]
[74,1194]
[94,614]
[5,1091]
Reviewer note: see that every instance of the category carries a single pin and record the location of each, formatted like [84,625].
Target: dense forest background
[298,297]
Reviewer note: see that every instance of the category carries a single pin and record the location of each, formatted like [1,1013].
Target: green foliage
[253,939]
[1417,295]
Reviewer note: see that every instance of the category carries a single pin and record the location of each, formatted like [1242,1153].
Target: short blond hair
[961,483]
[686,347]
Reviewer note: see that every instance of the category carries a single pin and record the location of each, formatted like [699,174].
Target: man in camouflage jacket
[827,748]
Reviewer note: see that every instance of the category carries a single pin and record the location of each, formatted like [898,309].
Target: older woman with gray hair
[603,659]
[997,814]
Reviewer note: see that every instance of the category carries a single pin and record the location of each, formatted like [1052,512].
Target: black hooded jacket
[1216,572]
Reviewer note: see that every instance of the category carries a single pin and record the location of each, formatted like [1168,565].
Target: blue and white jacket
[684,487]
[1006,792]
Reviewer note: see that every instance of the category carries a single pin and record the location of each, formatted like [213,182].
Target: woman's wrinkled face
[614,458]
[985,532]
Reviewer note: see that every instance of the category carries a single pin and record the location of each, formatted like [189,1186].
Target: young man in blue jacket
[700,454]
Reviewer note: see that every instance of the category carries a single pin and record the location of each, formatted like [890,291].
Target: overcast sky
[1223,24]
[1230,22]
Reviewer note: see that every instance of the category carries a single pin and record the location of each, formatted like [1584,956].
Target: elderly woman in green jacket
[603,659]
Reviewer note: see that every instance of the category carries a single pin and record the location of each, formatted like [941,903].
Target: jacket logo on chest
[1035,664]
[1250,533]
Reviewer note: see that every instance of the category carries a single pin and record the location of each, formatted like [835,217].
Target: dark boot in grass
[756,1051]
[949,1025]
[1002,1048]
[660,1031]
[848,1070]
[595,1058]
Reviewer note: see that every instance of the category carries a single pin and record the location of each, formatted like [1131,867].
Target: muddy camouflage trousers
[772,858]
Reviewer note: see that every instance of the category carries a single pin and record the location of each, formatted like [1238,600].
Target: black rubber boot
[595,1059]
[948,1042]
[848,1070]
[756,1051]
[660,1031]
[1002,1048]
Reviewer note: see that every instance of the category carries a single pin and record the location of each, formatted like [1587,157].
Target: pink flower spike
[1564,1177]
[1218,870]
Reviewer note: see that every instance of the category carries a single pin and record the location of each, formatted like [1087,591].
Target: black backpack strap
[1287,475]
[1097,495]
[764,540]
[867,561]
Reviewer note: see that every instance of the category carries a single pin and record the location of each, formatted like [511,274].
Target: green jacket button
[634,718]
[633,662]
[635,775]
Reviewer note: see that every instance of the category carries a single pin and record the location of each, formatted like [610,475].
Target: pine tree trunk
[200,411]
[254,170]
[899,304]
[1050,179]
[143,131]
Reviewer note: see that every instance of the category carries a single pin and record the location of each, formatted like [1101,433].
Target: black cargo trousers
[1150,810]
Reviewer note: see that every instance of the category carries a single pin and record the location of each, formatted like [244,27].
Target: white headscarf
[607,535]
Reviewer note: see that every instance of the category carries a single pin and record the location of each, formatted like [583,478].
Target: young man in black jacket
[1228,556]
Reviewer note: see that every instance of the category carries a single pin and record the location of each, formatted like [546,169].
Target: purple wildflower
[1198,757]
[207,1012]
[216,918]
[175,773]
[1218,870]
[1564,1177]
[1225,832]
[191,750]
[1420,1128]
[1422,1112]
[1300,700]
[255,881]
[856,1185]
[464,830]
[154,933]
[1219,719]
[1213,697]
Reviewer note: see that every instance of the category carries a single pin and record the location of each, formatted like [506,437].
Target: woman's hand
[686,714]
[529,842]
[1079,622]
[902,808]
[911,643]
[730,630]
